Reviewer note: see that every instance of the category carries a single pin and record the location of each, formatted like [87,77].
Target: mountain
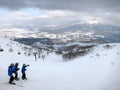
[70,32]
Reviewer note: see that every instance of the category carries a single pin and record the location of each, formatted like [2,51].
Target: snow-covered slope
[99,70]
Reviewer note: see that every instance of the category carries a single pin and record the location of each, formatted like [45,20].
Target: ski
[19,85]
[15,84]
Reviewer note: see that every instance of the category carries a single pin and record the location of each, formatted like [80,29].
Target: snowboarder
[23,71]
[15,70]
[10,73]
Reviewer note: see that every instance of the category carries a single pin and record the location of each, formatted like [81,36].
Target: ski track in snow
[99,70]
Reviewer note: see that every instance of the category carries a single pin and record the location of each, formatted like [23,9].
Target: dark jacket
[15,68]
[24,68]
[10,71]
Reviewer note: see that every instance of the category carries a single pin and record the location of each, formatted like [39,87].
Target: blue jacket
[15,68]
[24,68]
[10,71]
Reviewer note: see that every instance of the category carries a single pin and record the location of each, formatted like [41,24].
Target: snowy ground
[99,70]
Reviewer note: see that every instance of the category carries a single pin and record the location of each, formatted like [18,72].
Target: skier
[35,54]
[23,71]
[15,70]
[10,73]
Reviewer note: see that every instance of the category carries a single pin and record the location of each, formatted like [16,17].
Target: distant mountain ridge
[69,32]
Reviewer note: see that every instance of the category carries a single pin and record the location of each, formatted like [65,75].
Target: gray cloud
[74,5]
[65,11]
[13,4]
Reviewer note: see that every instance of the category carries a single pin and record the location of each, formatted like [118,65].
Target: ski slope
[99,70]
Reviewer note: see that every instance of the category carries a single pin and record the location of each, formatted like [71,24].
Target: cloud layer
[75,5]
[57,12]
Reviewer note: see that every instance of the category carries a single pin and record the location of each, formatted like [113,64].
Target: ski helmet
[12,64]
[16,63]
[24,64]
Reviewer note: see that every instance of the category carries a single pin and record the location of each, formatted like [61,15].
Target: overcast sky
[59,12]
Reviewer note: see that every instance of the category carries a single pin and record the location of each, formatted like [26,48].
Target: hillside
[98,70]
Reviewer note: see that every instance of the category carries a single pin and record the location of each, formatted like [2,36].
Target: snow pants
[16,75]
[24,76]
[11,79]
